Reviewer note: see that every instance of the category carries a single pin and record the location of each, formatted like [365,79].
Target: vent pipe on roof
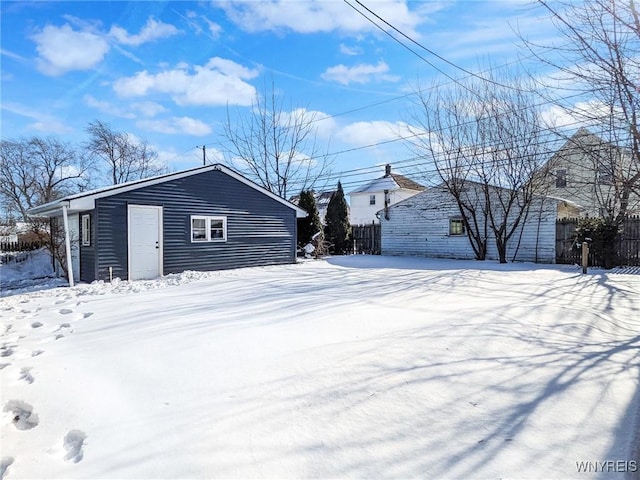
[387,170]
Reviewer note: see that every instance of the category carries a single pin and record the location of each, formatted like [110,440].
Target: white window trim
[85,230]
[208,219]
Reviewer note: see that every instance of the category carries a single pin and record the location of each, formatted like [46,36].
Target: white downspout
[67,245]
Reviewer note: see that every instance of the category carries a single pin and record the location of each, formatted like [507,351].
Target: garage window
[208,229]
[86,230]
[456,226]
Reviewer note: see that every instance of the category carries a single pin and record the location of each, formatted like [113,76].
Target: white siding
[361,212]
[420,226]
[581,158]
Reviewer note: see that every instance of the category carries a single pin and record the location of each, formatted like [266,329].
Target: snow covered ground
[359,366]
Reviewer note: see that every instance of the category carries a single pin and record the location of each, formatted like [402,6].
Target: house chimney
[387,170]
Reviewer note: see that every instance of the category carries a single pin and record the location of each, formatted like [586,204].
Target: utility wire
[404,45]
[427,160]
[415,42]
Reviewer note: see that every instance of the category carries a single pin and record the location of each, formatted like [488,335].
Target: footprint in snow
[5,463]
[73,443]
[87,314]
[25,374]
[62,329]
[23,416]
[3,365]
[65,311]
[36,353]
[36,324]
[6,350]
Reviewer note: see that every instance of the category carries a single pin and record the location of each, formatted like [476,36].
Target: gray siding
[260,230]
[419,226]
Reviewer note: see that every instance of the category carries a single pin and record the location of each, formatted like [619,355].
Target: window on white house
[208,229]
[85,230]
[456,226]
[561,179]
[372,199]
[604,175]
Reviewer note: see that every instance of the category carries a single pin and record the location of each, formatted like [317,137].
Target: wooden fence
[627,245]
[367,238]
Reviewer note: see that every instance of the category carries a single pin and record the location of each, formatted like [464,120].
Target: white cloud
[106,107]
[219,82]
[11,55]
[361,73]
[50,126]
[176,125]
[62,49]
[578,114]
[214,29]
[148,109]
[323,124]
[351,51]
[196,22]
[45,122]
[152,30]
[367,133]
[312,16]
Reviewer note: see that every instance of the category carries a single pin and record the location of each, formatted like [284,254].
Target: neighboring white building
[381,193]
[588,171]
[430,225]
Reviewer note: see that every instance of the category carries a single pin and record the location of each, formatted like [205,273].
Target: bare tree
[598,84]
[125,157]
[486,143]
[39,170]
[276,147]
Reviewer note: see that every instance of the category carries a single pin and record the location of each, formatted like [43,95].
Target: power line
[397,40]
[415,42]
[419,161]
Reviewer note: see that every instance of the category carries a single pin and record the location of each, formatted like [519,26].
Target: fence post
[585,257]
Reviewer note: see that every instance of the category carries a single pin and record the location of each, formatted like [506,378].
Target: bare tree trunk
[486,143]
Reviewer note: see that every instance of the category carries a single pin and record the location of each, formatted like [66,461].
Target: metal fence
[17,251]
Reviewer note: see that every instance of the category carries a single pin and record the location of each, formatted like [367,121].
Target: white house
[379,194]
[588,171]
[429,224]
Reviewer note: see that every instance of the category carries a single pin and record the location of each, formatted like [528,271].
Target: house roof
[582,139]
[393,181]
[442,186]
[322,198]
[86,200]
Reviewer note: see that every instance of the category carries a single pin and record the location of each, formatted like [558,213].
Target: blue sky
[166,71]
